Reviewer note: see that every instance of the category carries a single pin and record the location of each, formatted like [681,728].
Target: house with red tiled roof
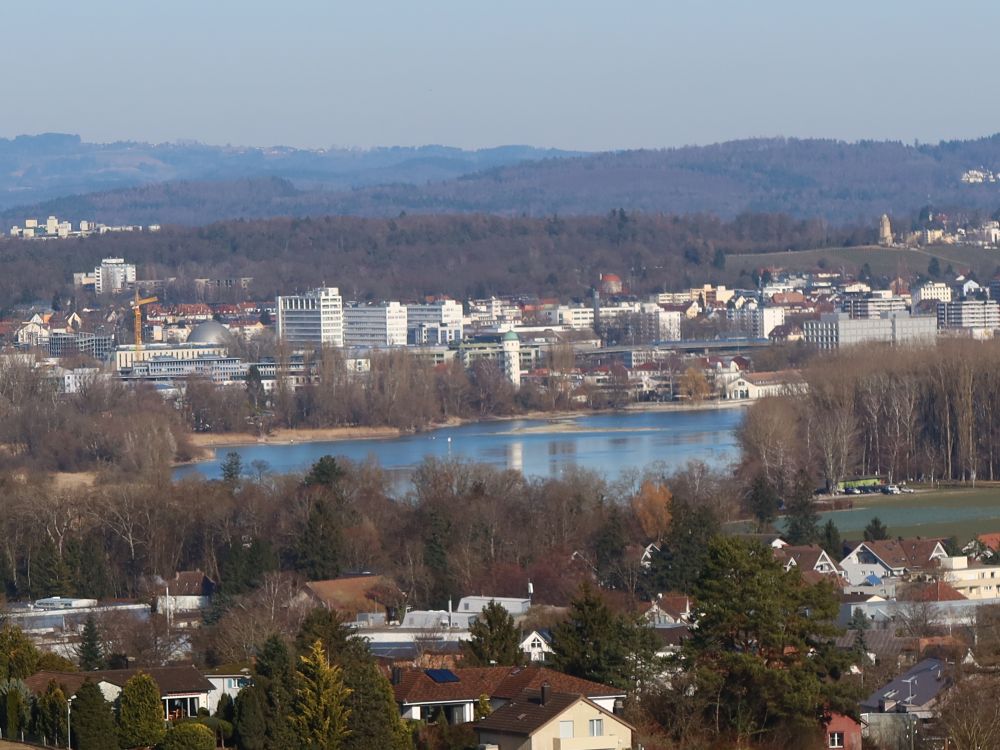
[425,694]
[807,558]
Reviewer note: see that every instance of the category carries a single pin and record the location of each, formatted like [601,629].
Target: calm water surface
[607,443]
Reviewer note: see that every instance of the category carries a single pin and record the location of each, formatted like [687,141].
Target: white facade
[932,290]
[577,318]
[315,318]
[113,275]
[969,314]
[434,323]
[375,326]
[975,582]
[758,321]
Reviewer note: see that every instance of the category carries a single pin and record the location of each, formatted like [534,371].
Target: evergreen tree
[326,472]
[232,468]
[188,736]
[859,624]
[682,552]
[762,645]
[93,719]
[225,709]
[250,721]
[50,576]
[319,710]
[91,573]
[317,551]
[18,655]
[274,676]
[596,644]
[244,565]
[830,540]
[140,713]
[15,707]
[876,531]
[50,715]
[763,501]
[90,652]
[494,639]
[437,532]
[609,546]
[374,717]
[801,518]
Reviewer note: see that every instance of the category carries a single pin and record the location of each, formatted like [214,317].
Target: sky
[569,74]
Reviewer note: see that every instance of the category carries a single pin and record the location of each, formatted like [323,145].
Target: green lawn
[882,261]
[962,513]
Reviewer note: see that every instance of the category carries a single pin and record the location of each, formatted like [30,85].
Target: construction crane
[137,304]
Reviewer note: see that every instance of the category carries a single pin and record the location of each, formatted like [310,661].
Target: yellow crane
[137,304]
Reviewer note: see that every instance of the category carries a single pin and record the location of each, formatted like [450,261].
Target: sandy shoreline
[207,442]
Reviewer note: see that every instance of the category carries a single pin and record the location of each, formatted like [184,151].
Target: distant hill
[40,167]
[840,182]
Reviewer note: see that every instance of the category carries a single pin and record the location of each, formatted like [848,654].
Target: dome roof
[510,336]
[209,332]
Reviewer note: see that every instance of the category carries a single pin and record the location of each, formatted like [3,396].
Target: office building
[837,330]
[313,319]
[434,323]
[375,326]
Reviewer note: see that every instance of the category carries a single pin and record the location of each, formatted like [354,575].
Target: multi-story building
[969,313]
[315,318]
[113,275]
[836,330]
[758,322]
[434,323]
[576,317]
[932,290]
[873,304]
[375,326]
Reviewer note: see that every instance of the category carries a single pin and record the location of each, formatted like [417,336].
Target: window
[597,727]
[565,730]
[836,739]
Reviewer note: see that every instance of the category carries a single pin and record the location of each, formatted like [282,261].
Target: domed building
[210,332]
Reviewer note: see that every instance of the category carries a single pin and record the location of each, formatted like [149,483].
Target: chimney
[546,692]
[397,675]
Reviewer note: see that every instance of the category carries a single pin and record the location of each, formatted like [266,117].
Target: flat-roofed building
[375,326]
[315,318]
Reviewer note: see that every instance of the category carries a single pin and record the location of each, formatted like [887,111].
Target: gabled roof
[170,680]
[904,553]
[347,593]
[931,591]
[526,713]
[417,686]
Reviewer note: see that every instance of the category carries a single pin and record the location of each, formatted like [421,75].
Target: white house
[889,558]
[537,646]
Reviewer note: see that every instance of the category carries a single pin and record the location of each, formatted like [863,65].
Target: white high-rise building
[315,318]
[113,275]
[375,326]
[434,323]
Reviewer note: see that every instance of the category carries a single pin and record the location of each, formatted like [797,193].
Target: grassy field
[882,261]
[962,513]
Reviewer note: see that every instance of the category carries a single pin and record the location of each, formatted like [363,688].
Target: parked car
[890,489]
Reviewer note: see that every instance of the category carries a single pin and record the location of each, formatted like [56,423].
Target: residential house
[425,694]
[811,559]
[896,710]
[891,558]
[187,591]
[228,679]
[548,720]
[843,732]
[969,578]
[183,690]
[537,646]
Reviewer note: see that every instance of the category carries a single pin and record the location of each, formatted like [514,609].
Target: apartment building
[315,318]
[757,322]
[969,313]
[932,290]
[874,304]
[434,323]
[113,275]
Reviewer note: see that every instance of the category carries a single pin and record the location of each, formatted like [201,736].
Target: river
[606,443]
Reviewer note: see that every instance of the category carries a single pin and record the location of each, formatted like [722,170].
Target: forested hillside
[410,256]
[838,181]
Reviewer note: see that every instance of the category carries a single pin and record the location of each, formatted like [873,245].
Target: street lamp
[69,730]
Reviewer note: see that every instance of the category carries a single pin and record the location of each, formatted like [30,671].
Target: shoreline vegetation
[207,443]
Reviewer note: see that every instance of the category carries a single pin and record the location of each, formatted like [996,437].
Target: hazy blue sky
[567,73]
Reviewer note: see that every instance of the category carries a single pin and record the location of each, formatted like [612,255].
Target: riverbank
[206,441]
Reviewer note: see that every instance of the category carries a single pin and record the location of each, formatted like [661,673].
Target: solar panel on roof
[441,675]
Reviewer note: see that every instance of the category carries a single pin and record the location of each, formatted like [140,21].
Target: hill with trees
[407,257]
[835,180]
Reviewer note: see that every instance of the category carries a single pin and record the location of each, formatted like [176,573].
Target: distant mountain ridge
[36,168]
[834,180]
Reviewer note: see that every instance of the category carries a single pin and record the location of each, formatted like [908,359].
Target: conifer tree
[50,715]
[50,576]
[93,719]
[495,640]
[188,736]
[319,710]
[262,710]
[317,553]
[15,707]
[90,652]
[18,655]
[140,713]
